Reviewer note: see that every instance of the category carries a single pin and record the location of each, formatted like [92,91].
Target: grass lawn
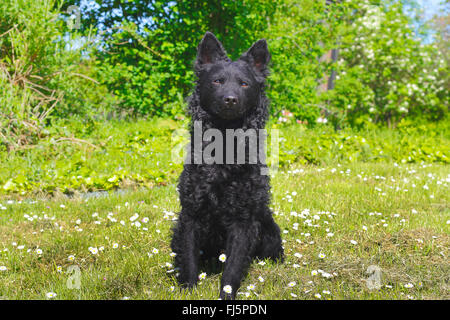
[337,222]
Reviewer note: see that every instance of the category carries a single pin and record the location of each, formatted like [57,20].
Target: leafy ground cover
[81,157]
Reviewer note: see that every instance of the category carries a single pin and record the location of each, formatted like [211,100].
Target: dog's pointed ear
[258,56]
[210,50]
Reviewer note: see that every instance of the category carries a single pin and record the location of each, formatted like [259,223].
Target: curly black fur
[225,206]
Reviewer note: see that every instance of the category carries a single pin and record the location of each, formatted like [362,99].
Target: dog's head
[229,89]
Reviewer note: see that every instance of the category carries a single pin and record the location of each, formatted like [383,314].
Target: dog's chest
[230,188]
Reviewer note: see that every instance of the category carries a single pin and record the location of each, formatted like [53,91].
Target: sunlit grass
[336,221]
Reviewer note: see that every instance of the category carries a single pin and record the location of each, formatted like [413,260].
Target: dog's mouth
[230,113]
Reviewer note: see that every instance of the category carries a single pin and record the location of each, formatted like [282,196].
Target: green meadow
[340,221]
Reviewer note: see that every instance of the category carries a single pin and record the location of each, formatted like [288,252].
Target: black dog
[225,206]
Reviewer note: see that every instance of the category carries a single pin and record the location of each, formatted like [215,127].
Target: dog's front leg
[187,253]
[239,249]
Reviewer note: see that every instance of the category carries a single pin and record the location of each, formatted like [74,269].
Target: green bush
[119,154]
[148,66]
[138,61]
[297,37]
[40,74]
[385,72]
[410,143]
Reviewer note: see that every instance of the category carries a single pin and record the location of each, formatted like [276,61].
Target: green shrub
[119,154]
[40,75]
[410,143]
[385,72]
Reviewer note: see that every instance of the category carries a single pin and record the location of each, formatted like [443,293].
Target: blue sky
[430,7]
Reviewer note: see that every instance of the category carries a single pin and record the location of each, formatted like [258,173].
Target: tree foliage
[385,72]
[136,57]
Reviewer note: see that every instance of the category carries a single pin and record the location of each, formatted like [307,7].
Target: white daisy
[202,276]
[222,257]
[51,295]
[292,284]
[228,289]
[93,250]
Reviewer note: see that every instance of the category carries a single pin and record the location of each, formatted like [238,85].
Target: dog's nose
[230,100]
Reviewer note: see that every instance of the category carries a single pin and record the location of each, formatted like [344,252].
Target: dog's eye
[217,81]
[244,84]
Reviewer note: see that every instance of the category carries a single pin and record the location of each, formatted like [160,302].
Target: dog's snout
[230,100]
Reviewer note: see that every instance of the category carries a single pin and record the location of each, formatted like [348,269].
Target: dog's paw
[188,285]
[187,282]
